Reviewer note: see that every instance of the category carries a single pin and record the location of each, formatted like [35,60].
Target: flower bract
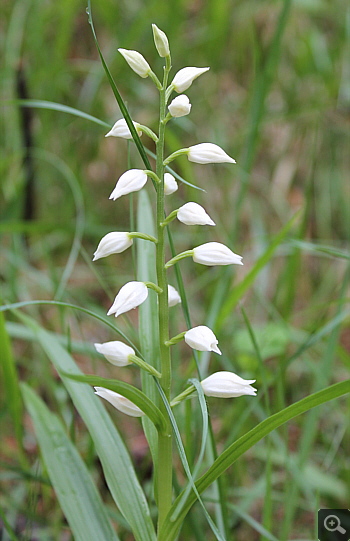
[215,253]
[112,243]
[202,338]
[227,385]
[119,402]
[116,352]
[130,296]
[130,181]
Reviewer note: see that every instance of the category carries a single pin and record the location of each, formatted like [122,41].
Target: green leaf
[77,494]
[117,466]
[11,392]
[129,391]
[148,314]
[239,447]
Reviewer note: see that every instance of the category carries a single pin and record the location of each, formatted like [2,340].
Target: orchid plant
[155,404]
[134,293]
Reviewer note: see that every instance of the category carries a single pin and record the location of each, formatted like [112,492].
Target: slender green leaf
[239,447]
[148,314]
[75,490]
[132,393]
[185,464]
[117,466]
[11,392]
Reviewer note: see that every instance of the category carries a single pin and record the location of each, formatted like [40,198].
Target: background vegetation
[277,98]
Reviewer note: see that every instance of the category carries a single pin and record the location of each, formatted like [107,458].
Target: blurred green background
[277,99]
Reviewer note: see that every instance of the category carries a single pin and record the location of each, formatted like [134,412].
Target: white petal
[130,296]
[185,77]
[170,184]
[121,129]
[115,352]
[227,385]
[193,214]
[173,296]
[136,62]
[119,402]
[215,253]
[112,243]
[208,153]
[202,338]
[130,181]
[161,41]
[180,106]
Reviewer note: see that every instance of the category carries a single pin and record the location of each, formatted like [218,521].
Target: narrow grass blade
[239,447]
[42,104]
[75,490]
[243,286]
[10,388]
[118,97]
[132,393]
[204,411]
[117,466]
[148,314]
[187,470]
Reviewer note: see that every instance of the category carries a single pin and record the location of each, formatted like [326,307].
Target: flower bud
[193,214]
[130,181]
[208,153]
[173,296]
[160,41]
[116,352]
[130,296]
[136,62]
[121,129]
[185,77]
[119,402]
[202,338]
[112,243]
[180,106]
[170,184]
[227,385]
[214,253]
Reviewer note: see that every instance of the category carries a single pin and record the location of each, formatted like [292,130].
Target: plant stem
[164,480]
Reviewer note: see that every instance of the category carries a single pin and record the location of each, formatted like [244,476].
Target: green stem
[175,154]
[145,366]
[176,339]
[164,481]
[170,218]
[144,236]
[178,257]
[153,286]
[187,393]
[152,175]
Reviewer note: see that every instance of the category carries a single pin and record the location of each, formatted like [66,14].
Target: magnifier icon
[332,524]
